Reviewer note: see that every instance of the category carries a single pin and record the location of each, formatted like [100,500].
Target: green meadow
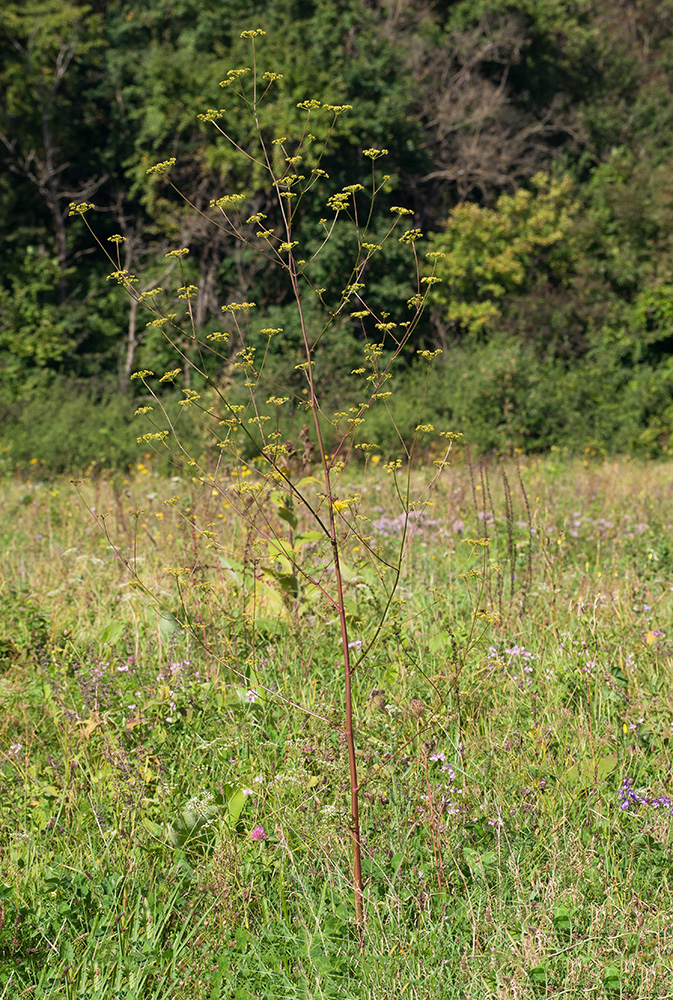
[302,698]
[173,767]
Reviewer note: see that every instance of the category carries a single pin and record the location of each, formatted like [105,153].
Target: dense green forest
[532,139]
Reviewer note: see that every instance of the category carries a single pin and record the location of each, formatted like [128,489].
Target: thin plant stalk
[192,351]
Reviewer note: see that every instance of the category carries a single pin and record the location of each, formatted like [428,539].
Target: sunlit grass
[519,691]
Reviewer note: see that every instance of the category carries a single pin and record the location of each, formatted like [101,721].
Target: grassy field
[173,818]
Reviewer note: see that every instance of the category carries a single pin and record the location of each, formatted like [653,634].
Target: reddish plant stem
[350,740]
[356,840]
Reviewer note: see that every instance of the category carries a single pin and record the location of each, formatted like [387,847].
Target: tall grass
[168,829]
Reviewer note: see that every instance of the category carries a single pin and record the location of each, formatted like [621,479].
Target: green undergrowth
[508,397]
[174,783]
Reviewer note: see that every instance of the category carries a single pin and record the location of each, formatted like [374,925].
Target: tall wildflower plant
[302,522]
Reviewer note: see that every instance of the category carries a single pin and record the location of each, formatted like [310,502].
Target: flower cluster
[628,797]
[449,796]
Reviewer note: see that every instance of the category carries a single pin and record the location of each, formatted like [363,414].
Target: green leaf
[235,806]
[155,829]
[235,800]
[586,772]
[190,824]
[270,626]
[348,572]
[235,569]
[237,697]
[539,974]
[285,514]
[612,980]
[168,625]
[476,860]
[320,960]
[307,537]
[562,918]
[111,633]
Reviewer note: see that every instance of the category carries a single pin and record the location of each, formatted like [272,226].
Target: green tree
[45,44]
[491,254]
[35,334]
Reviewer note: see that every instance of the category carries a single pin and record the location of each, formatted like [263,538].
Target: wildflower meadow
[307,691]
[176,807]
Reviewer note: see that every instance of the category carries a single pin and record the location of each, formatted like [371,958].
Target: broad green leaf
[586,771]
[307,537]
[112,632]
[235,806]
[168,625]
[538,974]
[612,980]
[285,514]
[235,569]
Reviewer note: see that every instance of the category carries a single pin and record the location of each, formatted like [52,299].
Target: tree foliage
[533,138]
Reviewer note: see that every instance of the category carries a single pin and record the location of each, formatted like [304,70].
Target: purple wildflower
[628,797]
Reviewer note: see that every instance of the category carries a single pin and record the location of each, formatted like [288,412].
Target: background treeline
[532,138]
